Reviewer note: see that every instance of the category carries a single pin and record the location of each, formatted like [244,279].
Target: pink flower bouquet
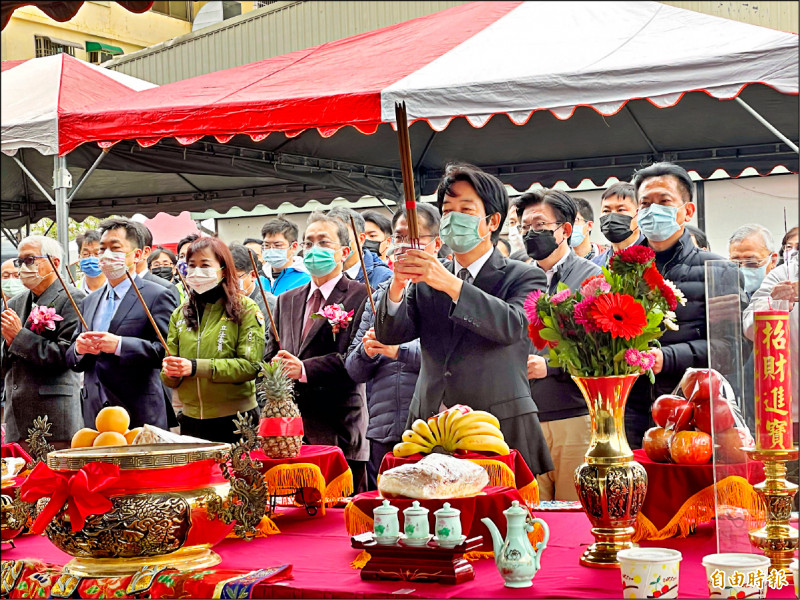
[43,317]
[337,316]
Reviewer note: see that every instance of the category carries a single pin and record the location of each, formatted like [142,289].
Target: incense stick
[407,169]
[71,299]
[266,304]
[147,312]
[71,278]
[363,266]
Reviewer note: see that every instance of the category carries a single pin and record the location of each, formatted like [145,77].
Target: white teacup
[648,570]
[733,572]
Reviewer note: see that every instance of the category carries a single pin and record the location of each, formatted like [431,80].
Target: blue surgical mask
[319,261]
[753,276]
[576,238]
[12,286]
[657,222]
[460,231]
[90,266]
[276,257]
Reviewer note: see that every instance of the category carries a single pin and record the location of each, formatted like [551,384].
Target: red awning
[62,11]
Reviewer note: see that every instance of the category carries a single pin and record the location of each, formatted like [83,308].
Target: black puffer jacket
[683,265]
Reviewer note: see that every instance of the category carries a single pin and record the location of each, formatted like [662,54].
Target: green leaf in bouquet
[548,322]
[549,334]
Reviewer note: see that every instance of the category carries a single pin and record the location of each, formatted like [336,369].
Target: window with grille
[46,47]
[176,10]
[98,56]
[262,3]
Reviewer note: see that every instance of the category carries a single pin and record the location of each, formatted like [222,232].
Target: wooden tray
[429,563]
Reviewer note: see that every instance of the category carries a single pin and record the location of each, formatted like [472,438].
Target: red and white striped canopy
[40,93]
[475,61]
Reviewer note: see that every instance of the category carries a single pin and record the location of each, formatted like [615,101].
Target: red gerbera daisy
[653,277]
[619,314]
[533,333]
[668,295]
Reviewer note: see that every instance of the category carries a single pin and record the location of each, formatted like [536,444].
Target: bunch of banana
[457,428]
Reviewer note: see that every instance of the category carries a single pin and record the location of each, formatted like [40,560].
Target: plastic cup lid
[650,555]
[735,560]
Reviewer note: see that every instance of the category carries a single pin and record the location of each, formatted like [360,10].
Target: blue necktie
[104,320]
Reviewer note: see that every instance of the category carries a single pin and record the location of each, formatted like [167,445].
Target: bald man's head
[7,269]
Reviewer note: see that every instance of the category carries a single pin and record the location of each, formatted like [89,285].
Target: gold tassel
[339,489]
[361,560]
[357,521]
[291,477]
[474,555]
[699,508]
[499,473]
[265,528]
[530,493]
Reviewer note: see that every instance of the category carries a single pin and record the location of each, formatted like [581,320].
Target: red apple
[656,444]
[701,384]
[728,445]
[672,412]
[723,415]
[690,448]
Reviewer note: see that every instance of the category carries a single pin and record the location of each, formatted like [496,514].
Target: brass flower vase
[611,484]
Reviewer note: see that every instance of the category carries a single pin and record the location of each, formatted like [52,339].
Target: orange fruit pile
[112,430]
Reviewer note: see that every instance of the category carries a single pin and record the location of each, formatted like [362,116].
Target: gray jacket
[474,351]
[390,382]
[38,381]
[556,395]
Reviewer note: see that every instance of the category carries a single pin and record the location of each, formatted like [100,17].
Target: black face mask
[616,227]
[373,246]
[163,272]
[540,244]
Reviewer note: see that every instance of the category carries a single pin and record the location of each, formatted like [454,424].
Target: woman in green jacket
[216,340]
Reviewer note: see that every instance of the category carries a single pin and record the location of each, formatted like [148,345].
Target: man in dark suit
[333,406]
[121,355]
[469,315]
[146,244]
[38,380]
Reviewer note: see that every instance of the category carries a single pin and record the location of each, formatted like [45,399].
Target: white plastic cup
[740,572]
[649,572]
[793,567]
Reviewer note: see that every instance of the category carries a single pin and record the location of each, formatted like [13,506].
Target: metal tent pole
[62,181]
[768,125]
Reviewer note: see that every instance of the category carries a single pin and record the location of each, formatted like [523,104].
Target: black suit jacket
[38,380]
[132,379]
[333,406]
[475,351]
[170,287]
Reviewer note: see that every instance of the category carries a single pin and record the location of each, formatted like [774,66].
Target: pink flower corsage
[43,317]
[337,316]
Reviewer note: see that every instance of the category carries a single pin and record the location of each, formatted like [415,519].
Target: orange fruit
[112,418]
[110,438]
[129,435]
[84,438]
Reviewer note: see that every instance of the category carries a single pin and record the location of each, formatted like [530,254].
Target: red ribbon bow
[81,491]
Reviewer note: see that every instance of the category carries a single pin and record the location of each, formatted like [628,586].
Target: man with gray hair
[312,351]
[38,381]
[752,248]
[377,271]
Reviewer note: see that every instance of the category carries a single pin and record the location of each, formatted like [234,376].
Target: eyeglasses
[401,239]
[28,261]
[540,226]
[661,202]
[751,263]
[275,245]
[322,244]
[88,254]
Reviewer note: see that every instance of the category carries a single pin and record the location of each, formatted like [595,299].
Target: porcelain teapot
[515,557]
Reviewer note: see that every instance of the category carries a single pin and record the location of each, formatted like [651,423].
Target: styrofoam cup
[649,572]
[740,572]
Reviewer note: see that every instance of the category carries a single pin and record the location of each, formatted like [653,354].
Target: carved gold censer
[611,484]
[189,498]
[777,538]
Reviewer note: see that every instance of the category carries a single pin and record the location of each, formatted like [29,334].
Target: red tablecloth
[509,469]
[322,468]
[680,497]
[320,553]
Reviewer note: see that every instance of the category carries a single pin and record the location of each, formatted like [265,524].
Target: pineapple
[274,392]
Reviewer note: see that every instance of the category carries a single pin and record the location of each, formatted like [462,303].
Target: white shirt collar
[352,272]
[476,266]
[552,271]
[326,288]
